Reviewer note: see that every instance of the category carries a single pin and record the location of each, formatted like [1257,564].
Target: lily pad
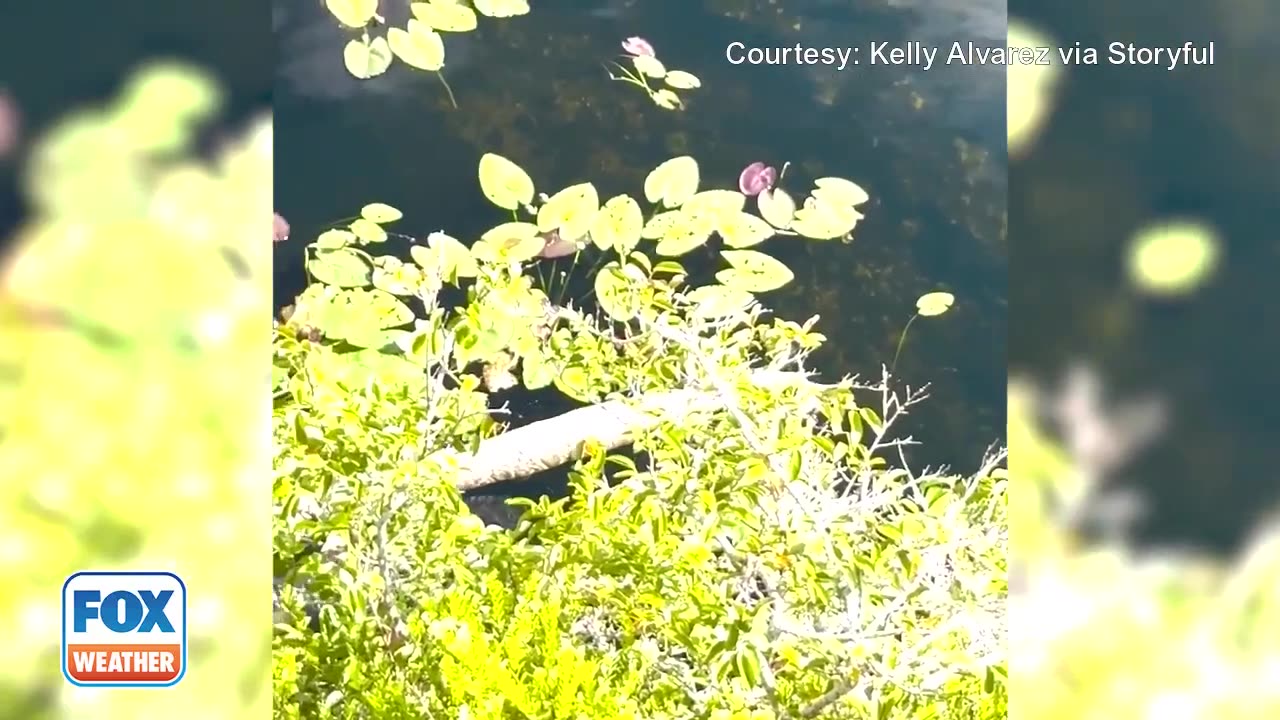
[617,289]
[505,183]
[445,16]
[934,303]
[343,268]
[419,46]
[570,211]
[819,220]
[501,8]
[753,271]
[839,190]
[777,207]
[717,301]
[335,239]
[681,80]
[353,13]
[673,182]
[716,201]
[649,65]
[509,242]
[368,231]
[380,213]
[445,257]
[744,230]
[618,225]
[366,60]
[666,99]
[1173,258]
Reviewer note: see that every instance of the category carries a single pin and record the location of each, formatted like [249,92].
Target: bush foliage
[756,551]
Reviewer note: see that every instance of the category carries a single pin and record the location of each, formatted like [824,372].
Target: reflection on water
[928,146]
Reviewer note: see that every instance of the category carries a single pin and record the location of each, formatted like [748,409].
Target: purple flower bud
[756,178]
[556,246]
[280,229]
[637,47]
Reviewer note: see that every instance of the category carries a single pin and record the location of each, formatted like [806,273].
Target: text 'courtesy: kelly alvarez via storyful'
[918,54]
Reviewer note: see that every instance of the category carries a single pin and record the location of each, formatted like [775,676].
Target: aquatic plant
[419,44]
[757,178]
[415,608]
[647,66]
[927,305]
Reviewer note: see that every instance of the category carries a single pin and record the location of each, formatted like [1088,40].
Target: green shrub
[737,542]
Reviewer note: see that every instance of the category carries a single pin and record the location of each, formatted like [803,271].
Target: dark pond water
[928,145]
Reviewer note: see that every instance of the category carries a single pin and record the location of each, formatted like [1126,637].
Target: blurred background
[135,192]
[1143,205]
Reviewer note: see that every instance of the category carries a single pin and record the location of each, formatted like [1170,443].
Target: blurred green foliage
[133,423]
[1100,633]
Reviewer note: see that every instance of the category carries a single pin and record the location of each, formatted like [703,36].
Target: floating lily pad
[505,183]
[1173,258]
[380,213]
[777,207]
[343,268]
[618,225]
[353,13]
[617,289]
[744,230]
[570,211]
[666,99]
[367,59]
[717,301]
[368,231]
[418,45]
[445,16]
[716,201]
[839,190]
[445,257]
[673,182]
[509,242]
[753,271]
[501,8]
[934,303]
[681,80]
[335,239]
[819,220]
[649,65]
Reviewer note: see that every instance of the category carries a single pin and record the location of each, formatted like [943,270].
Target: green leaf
[367,59]
[717,301]
[502,8]
[536,371]
[445,257]
[618,225]
[419,46]
[743,229]
[571,211]
[823,220]
[368,231]
[649,66]
[681,80]
[616,290]
[509,242]
[380,213]
[445,15]
[716,202]
[574,382]
[840,191]
[335,239]
[353,13]
[753,271]
[341,268]
[505,183]
[777,207]
[934,303]
[673,182]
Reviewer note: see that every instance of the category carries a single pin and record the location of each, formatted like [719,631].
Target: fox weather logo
[124,629]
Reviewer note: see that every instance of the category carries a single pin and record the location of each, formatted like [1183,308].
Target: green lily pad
[753,271]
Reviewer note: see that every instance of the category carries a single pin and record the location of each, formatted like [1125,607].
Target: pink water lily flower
[280,230]
[637,47]
[756,178]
